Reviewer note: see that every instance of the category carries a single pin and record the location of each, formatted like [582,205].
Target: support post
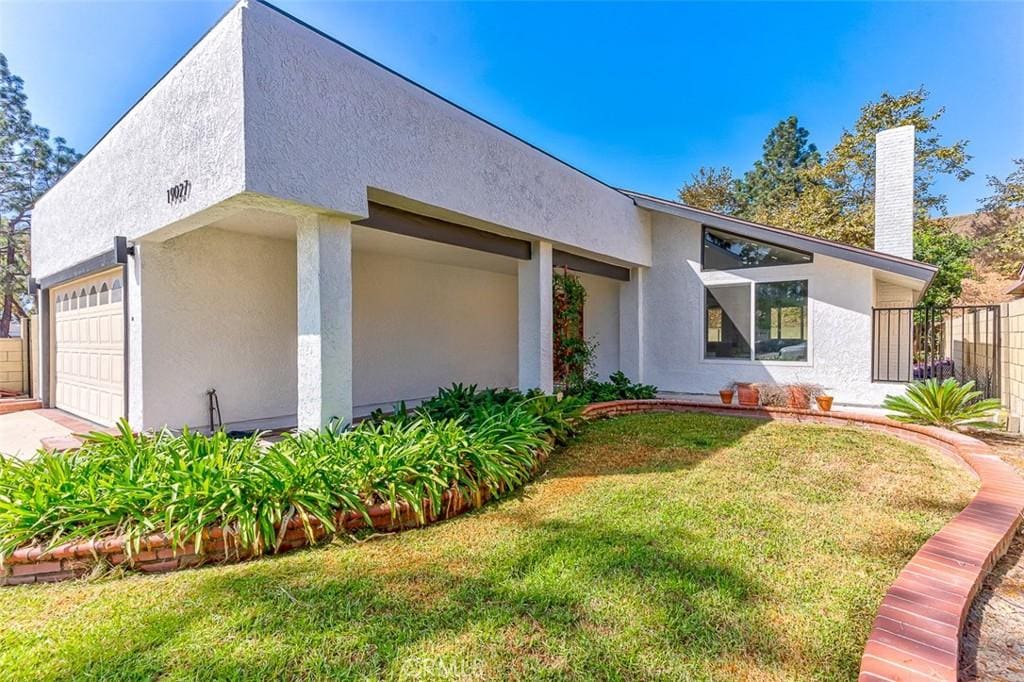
[631,325]
[536,369]
[324,254]
[45,341]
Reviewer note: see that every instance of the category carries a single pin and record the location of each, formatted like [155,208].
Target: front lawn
[657,546]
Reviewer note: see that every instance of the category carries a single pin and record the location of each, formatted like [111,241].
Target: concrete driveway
[21,432]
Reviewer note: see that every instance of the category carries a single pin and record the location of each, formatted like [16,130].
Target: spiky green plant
[135,484]
[949,404]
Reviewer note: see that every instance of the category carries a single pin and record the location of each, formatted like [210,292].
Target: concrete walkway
[21,433]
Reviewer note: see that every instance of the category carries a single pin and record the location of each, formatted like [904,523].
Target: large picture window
[762,321]
[727,251]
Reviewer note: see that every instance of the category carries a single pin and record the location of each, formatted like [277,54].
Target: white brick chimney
[894,191]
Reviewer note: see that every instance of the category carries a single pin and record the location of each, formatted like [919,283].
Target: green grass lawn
[656,547]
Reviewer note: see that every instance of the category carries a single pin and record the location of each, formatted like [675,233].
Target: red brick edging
[158,553]
[916,634]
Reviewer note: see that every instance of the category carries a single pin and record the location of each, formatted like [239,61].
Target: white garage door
[89,337]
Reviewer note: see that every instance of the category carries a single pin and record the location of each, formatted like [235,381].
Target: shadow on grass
[652,442]
[563,599]
[594,596]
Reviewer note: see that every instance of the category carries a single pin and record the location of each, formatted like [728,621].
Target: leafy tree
[951,252]
[832,197]
[849,168]
[713,189]
[1004,211]
[30,163]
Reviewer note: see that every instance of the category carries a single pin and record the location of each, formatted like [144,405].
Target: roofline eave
[923,272]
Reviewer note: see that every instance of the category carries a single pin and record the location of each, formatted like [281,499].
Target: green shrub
[180,484]
[618,387]
[948,404]
[459,400]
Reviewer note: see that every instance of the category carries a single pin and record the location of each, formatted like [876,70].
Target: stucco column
[135,385]
[324,252]
[535,339]
[631,325]
[44,346]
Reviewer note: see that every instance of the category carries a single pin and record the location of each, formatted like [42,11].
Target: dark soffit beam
[104,261]
[397,221]
[561,259]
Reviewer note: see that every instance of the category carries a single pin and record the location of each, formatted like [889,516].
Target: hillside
[988,285]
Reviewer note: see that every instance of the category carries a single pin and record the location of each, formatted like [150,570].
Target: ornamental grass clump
[181,484]
[949,404]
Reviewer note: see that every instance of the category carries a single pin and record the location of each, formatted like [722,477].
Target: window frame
[703,243]
[751,285]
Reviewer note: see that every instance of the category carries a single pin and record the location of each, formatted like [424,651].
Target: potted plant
[748,394]
[800,395]
[774,395]
[824,402]
[726,392]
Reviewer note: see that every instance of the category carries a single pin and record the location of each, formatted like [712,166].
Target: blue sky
[639,95]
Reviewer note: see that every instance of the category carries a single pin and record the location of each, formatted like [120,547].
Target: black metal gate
[913,344]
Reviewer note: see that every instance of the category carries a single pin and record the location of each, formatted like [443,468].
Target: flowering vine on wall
[573,353]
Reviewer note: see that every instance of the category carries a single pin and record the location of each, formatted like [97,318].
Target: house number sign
[179,193]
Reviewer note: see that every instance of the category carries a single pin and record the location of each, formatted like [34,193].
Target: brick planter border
[158,554]
[916,634]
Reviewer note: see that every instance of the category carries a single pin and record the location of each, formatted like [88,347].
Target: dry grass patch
[656,547]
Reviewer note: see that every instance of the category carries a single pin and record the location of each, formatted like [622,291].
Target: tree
[951,252]
[30,163]
[1004,214]
[712,189]
[793,187]
[777,179]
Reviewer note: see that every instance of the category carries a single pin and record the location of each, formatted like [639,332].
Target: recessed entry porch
[260,305]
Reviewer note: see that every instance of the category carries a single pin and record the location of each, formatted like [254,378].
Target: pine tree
[30,163]
[777,179]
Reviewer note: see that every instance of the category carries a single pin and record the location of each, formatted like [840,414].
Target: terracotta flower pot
[798,398]
[726,397]
[824,403]
[748,395]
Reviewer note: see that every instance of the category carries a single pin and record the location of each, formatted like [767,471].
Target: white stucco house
[312,235]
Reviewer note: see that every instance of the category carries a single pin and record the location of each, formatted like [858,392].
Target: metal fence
[913,344]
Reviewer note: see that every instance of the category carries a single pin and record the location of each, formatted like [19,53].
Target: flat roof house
[312,235]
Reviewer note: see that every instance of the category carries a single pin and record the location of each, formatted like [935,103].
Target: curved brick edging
[157,553]
[916,634]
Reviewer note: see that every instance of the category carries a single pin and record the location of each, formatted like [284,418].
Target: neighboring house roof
[776,235]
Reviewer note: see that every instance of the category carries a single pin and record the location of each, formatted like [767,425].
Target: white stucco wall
[601,322]
[322,124]
[188,127]
[840,297]
[219,311]
[419,325]
[227,320]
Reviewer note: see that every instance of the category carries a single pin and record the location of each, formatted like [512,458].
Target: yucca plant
[949,404]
